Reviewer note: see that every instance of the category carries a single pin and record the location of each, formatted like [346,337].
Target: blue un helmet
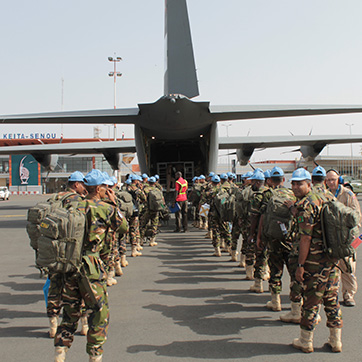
[234,176]
[195,178]
[157,177]
[202,177]
[223,176]
[107,179]
[144,176]
[319,171]
[258,175]
[248,174]
[114,180]
[76,176]
[276,172]
[128,181]
[152,180]
[230,175]
[211,174]
[267,174]
[301,174]
[94,178]
[215,179]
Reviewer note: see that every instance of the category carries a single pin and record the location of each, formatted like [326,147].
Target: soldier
[139,198]
[89,284]
[205,189]
[315,270]
[278,248]
[149,216]
[348,266]
[74,193]
[224,226]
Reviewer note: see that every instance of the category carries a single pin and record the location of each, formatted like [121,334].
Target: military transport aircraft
[176,129]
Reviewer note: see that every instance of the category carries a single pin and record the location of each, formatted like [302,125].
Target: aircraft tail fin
[180,73]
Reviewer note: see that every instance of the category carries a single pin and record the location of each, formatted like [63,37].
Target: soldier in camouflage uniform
[71,197]
[315,270]
[204,191]
[255,259]
[149,216]
[101,217]
[139,198]
[278,250]
[224,226]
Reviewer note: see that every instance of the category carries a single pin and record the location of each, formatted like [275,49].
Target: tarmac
[176,302]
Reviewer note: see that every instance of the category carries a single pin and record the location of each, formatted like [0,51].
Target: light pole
[350,133]
[115,74]
[227,135]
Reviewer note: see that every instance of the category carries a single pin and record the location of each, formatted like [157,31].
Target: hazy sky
[247,52]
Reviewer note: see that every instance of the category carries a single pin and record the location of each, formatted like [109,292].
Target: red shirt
[181,189]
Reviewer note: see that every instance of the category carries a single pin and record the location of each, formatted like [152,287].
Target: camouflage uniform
[236,229]
[101,218]
[56,280]
[321,275]
[259,256]
[278,251]
[149,216]
[248,247]
[204,199]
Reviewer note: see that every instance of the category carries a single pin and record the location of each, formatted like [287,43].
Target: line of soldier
[314,277]
[110,221]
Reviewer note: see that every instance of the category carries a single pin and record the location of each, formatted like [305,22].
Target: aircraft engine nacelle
[243,154]
[113,159]
[309,153]
[49,162]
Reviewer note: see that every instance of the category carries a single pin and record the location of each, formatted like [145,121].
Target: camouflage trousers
[235,234]
[134,230]
[321,283]
[98,320]
[220,230]
[152,218]
[121,245]
[250,249]
[55,295]
[261,262]
[278,257]
[295,288]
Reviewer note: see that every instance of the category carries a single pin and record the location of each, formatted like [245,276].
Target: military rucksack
[155,200]
[242,202]
[59,234]
[277,219]
[125,203]
[195,194]
[339,229]
[224,203]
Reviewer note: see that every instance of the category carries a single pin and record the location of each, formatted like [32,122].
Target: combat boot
[84,324]
[257,287]
[153,241]
[124,261]
[242,260]
[209,235]
[234,255]
[53,322]
[95,358]
[217,251]
[304,342]
[135,252]
[249,272]
[295,315]
[110,278]
[139,247]
[60,352]
[266,273]
[334,340]
[118,268]
[274,304]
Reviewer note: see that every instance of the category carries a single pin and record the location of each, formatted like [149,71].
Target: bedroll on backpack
[155,200]
[339,229]
[125,203]
[225,206]
[61,242]
[277,221]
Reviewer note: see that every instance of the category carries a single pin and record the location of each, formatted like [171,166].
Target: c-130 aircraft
[175,129]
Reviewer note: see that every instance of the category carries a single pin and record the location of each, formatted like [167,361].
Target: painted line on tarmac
[5,216]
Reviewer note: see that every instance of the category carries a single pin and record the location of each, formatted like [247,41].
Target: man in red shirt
[181,187]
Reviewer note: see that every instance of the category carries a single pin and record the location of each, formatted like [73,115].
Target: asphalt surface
[174,303]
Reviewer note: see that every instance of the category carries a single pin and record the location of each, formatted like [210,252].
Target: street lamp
[350,132]
[227,135]
[115,74]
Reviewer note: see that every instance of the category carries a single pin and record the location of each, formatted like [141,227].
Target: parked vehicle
[352,184]
[4,193]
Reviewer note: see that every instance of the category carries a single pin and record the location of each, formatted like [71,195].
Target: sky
[255,52]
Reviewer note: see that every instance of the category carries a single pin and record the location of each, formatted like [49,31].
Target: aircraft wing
[284,141]
[72,148]
[230,113]
[121,115]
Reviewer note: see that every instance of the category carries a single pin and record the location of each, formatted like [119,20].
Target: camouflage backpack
[339,229]
[155,200]
[125,203]
[57,234]
[224,203]
[277,221]
[242,201]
